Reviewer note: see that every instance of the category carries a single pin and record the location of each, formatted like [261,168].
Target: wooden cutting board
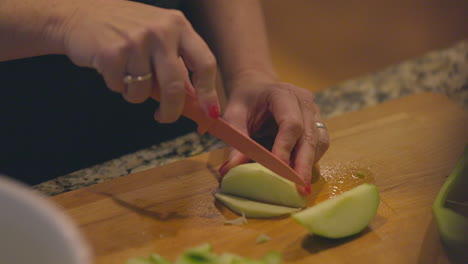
[407,147]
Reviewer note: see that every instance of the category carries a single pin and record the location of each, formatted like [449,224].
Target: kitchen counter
[442,71]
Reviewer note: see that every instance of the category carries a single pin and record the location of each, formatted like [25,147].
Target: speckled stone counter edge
[444,71]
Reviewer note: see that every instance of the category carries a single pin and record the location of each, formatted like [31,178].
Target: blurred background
[316,44]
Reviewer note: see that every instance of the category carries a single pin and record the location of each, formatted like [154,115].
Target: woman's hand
[281,117]
[120,38]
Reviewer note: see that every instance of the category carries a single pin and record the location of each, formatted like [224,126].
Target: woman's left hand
[280,116]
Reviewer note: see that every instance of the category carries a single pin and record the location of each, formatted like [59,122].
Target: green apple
[252,208]
[344,215]
[255,182]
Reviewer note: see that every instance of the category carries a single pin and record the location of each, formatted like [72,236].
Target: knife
[235,138]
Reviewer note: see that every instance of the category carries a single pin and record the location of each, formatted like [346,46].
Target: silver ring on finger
[128,79]
[320,125]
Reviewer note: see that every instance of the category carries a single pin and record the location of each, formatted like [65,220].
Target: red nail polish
[303,190]
[221,169]
[214,111]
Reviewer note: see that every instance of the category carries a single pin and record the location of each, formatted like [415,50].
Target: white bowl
[34,230]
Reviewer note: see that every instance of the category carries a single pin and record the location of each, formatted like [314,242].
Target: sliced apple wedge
[255,182]
[252,208]
[344,215]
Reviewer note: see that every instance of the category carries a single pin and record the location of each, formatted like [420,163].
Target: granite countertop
[442,71]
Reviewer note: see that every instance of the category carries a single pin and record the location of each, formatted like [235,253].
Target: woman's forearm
[236,32]
[31,27]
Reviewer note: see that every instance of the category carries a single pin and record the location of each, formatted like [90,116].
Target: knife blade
[235,138]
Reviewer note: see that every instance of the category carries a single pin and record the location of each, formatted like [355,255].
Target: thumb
[236,115]
[235,158]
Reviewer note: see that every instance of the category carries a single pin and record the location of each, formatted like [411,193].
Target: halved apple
[255,182]
[252,208]
[344,215]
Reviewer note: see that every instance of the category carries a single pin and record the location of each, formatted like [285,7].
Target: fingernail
[303,190]
[222,169]
[214,111]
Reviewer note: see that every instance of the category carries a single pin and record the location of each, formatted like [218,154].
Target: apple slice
[344,215]
[255,182]
[252,208]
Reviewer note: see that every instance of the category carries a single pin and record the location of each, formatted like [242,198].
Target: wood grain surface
[407,147]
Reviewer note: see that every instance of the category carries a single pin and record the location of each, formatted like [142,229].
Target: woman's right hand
[120,38]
